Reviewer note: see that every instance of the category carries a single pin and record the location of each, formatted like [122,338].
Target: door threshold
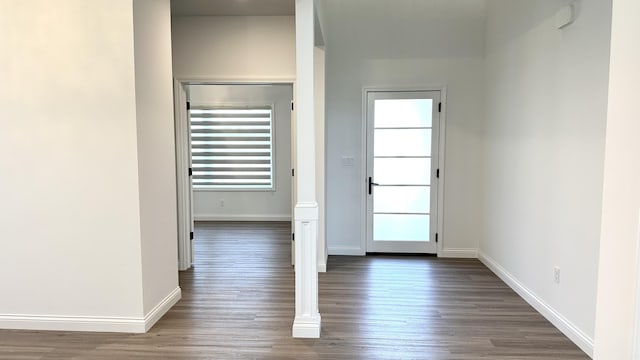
[400,254]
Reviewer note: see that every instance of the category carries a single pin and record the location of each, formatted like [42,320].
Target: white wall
[156,150]
[403,44]
[234,47]
[617,336]
[542,167]
[250,205]
[71,216]
[319,119]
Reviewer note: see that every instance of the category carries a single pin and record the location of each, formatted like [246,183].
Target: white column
[319,80]
[307,320]
[617,335]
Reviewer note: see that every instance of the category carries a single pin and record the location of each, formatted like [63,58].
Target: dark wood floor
[238,304]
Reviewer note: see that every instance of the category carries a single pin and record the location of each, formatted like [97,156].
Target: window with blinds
[232,147]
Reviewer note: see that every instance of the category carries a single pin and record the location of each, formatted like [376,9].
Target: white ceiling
[232,7]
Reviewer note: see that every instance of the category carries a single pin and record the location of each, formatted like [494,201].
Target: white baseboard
[322,263]
[306,327]
[459,253]
[90,323]
[72,323]
[445,253]
[346,251]
[163,306]
[241,217]
[582,340]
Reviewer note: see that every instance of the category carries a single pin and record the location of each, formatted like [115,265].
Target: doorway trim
[183,189]
[441,157]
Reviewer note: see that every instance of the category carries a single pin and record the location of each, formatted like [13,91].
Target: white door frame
[441,158]
[183,183]
[184,191]
[636,320]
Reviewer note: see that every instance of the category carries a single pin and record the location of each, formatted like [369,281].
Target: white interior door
[183,164]
[402,171]
[192,226]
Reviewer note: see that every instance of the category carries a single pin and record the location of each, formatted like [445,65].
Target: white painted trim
[363,182]
[72,323]
[442,88]
[274,141]
[91,323]
[242,217]
[253,80]
[162,308]
[306,211]
[320,146]
[346,251]
[322,267]
[306,322]
[306,327]
[636,310]
[582,340]
[459,253]
[442,166]
[183,185]
[185,205]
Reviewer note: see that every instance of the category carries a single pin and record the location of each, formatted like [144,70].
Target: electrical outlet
[556,275]
[222,203]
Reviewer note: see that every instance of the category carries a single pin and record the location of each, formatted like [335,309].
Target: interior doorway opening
[234,155]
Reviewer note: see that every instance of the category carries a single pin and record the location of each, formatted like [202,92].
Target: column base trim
[306,327]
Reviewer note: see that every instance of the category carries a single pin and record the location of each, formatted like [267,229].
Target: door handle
[371,183]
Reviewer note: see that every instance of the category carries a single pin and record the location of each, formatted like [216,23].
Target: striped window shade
[232,148]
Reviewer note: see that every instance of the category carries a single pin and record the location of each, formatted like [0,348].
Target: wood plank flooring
[238,303]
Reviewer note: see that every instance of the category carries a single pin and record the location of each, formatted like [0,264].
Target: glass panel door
[402,142]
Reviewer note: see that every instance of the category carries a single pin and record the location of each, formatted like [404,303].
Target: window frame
[229,106]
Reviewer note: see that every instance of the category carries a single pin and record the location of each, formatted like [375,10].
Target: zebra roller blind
[232,147]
